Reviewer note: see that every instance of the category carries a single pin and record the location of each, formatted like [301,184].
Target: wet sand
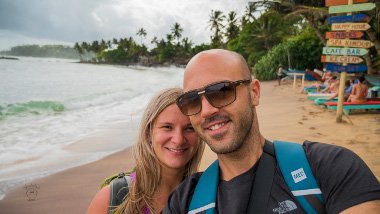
[283,114]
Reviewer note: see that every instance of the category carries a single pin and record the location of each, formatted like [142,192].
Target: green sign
[351,8]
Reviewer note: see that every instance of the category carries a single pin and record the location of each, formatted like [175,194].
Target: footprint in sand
[304,117]
[312,128]
[300,123]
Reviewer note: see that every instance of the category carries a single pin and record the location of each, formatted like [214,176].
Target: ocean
[47,104]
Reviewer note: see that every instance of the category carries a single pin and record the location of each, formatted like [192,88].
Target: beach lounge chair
[315,95]
[321,101]
[312,88]
[348,106]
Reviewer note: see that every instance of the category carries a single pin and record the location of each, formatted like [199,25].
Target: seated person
[327,75]
[359,92]
[331,85]
[347,90]
[280,74]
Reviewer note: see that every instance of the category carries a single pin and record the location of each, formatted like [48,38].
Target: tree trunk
[372,36]
[289,59]
[314,26]
[368,61]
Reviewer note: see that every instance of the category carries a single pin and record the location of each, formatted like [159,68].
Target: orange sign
[350,26]
[341,59]
[344,34]
[342,2]
[349,43]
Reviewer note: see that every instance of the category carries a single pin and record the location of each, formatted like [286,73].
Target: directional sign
[350,26]
[344,34]
[345,51]
[342,2]
[351,18]
[349,43]
[351,8]
[348,68]
[341,59]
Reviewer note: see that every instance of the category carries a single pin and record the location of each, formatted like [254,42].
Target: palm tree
[177,31]
[114,41]
[169,37]
[250,9]
[268,30]
[216,24]
[79,49]
[142,33]
[313,11]
[232,30]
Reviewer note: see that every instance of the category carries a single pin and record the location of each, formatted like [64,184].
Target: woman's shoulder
[100,202]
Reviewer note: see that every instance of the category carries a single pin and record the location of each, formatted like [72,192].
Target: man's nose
[207,109]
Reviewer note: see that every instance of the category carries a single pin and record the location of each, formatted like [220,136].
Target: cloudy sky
[69,21]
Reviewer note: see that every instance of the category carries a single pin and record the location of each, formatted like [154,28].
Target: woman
[359,92]
[167,150]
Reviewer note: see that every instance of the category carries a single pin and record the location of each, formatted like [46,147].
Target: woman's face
[174,139]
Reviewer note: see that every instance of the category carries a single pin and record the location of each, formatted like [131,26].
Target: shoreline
[283,114]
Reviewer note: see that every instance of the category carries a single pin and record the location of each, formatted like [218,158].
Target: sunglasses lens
[189,103]
[220,94]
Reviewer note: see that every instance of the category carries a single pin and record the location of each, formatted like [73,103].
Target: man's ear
[255,92]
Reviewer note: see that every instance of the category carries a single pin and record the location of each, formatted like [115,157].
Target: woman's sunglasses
[218,94]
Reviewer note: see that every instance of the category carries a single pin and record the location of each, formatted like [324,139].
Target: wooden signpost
[344,35]
[341,59]
[347,68]
[345,51]
[351,8]
[349,43]
[342,2]
[350,26]
[350,18]
[348,29]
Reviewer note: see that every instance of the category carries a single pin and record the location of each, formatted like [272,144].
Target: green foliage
[259,36]
[57,51]
[305,52]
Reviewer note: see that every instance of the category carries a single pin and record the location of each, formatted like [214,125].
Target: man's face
[224,129]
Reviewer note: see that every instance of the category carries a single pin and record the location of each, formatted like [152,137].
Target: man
[280,74]
[221,98]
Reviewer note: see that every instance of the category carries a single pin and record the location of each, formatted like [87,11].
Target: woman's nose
[178,136]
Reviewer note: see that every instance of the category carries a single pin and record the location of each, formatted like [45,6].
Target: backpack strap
[118,190]
[205,192]
[258,201]
[297,173]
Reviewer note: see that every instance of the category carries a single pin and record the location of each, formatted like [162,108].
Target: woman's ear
[255,92]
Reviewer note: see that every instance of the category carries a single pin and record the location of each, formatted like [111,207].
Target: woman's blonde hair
[148,170]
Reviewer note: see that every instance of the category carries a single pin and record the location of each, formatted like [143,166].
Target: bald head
[218,63]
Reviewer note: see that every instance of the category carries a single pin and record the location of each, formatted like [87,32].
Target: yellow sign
[349,43]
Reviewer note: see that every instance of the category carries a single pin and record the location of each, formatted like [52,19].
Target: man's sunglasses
[218,94]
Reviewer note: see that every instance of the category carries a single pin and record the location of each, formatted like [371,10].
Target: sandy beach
[283,114]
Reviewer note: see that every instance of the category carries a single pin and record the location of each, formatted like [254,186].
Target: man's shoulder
[179,200]
[189,183]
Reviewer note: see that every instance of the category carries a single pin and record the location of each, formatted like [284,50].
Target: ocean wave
[30,108]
